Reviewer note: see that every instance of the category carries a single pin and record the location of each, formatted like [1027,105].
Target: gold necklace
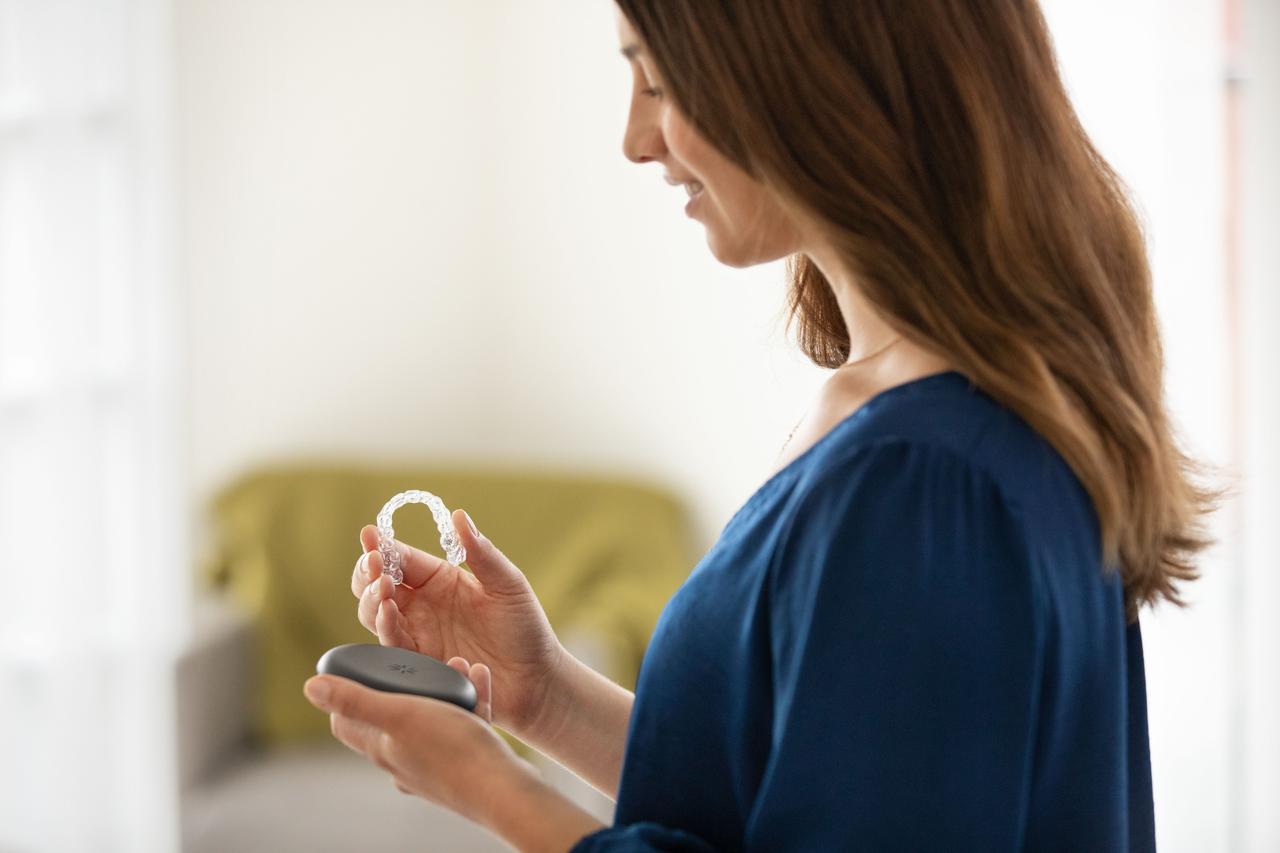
[862,360]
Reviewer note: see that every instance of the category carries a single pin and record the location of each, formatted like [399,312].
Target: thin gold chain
[862,360]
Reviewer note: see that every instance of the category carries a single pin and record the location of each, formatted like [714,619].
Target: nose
[642,142]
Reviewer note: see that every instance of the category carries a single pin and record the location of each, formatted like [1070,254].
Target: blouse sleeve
[904,642]
[642,837]
[906,639]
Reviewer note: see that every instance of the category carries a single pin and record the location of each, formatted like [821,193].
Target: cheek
[745,227]
[685,144]
[728,189]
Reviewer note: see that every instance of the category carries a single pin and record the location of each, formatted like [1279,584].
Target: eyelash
[653,93]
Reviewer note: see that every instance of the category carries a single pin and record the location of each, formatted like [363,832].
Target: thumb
[338,695]
[490,566]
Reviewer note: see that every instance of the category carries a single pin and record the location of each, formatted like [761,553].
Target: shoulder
[945,438]
[936,479]
[935,485]
[911,527]
[895,481]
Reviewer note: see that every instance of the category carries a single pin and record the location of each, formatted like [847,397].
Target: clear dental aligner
[453,550]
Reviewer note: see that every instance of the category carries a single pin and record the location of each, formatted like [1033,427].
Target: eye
[652,92]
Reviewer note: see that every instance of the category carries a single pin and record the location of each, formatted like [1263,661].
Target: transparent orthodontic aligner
[449,542]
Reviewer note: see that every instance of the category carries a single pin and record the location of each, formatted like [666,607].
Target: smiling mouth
[691,186]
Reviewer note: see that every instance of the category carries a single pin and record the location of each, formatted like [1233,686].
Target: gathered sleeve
[641,837]
[906,634]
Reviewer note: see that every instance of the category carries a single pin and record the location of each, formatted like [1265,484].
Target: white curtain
[93,564]
[1258,591]
[1182,98]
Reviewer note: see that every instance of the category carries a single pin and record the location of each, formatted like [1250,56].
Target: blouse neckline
[892,391]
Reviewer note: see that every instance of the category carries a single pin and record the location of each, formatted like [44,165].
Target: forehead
[627,38]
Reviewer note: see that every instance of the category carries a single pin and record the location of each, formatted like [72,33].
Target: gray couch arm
[213,680]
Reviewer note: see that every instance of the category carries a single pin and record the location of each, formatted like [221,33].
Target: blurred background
[264,263]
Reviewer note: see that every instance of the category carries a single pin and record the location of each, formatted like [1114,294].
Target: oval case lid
[398,670]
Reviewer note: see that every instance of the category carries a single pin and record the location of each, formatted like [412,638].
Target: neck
[874,345]
[868,332]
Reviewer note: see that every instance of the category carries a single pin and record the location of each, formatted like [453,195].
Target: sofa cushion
[603,554]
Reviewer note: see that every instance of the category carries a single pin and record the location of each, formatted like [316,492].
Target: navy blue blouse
[904,640]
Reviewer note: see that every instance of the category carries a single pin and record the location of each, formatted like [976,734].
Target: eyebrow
[631,51]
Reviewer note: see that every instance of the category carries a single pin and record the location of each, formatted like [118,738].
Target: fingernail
[318,692]
[375,588]
[471,524]
[364,564]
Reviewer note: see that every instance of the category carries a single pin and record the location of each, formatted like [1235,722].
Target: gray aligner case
[398,671]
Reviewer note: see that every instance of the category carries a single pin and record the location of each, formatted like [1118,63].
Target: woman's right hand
[489,614]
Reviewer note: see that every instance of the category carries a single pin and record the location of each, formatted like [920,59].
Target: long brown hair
[934,144]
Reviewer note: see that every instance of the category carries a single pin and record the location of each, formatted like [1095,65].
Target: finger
[357,736]
[379,709]
[459,663]
[400,593]
[361,574]
[480,676]
[489,565]
[369,538]
[483,680]
[390,625]
[369,564]
[367,609]
[419,567]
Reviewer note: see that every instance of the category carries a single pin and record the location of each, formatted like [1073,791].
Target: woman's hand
[433,749]
[449,756]
[489,613]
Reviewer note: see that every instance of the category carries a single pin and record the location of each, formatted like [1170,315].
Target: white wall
[1257,717]
[439,189]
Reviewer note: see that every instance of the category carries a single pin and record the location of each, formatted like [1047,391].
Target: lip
[693,202]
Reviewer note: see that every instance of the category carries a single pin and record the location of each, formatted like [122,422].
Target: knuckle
[385,752]
[367,611]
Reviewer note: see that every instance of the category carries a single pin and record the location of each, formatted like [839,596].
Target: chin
[738,254]
[729,260]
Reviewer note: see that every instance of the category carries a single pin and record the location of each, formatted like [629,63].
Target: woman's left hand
[432,749]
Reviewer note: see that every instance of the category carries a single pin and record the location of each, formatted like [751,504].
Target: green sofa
[603,554]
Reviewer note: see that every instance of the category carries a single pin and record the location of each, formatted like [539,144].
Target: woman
[921,631]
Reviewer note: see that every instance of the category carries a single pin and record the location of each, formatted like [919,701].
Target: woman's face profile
[745,223]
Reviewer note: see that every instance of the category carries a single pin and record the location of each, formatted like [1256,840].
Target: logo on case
[402,668]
